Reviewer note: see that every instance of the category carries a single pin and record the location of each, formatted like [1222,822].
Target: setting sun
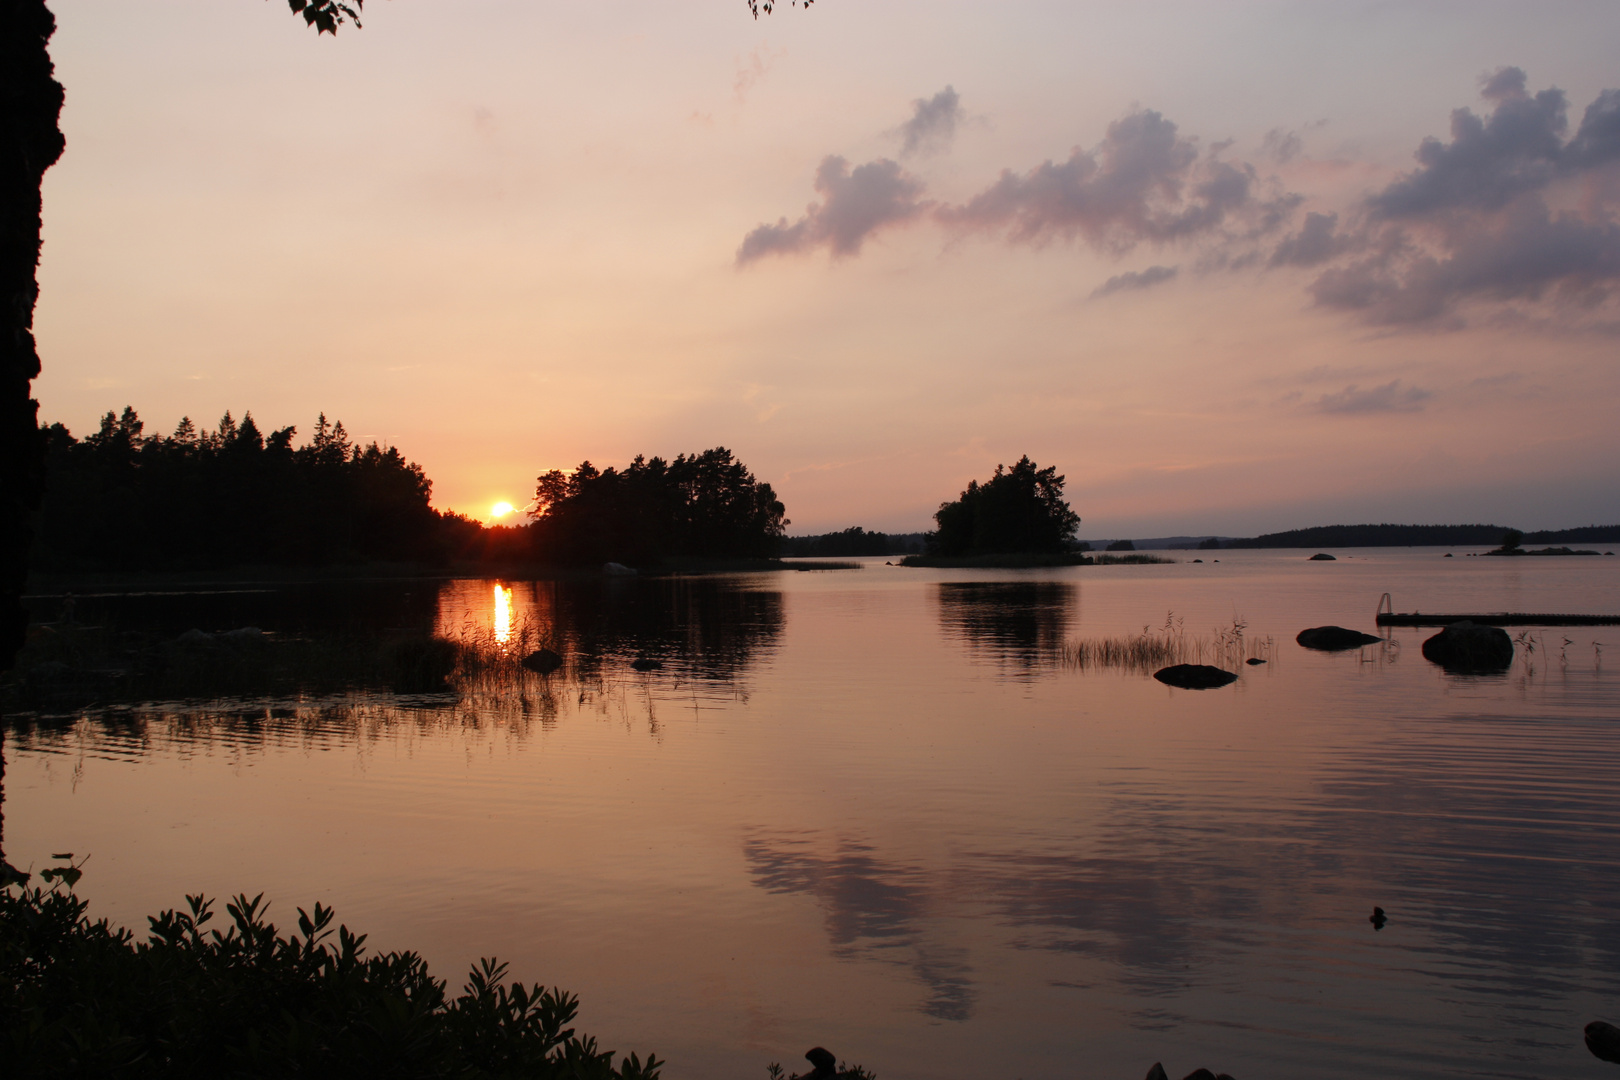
[500,509]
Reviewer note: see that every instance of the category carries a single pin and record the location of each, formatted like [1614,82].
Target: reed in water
[1152,649]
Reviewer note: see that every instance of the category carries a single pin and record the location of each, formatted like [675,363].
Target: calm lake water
[876,810]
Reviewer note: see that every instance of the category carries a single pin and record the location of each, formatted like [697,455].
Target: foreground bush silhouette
[81,998]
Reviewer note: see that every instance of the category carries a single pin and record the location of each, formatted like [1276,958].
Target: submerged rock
[543,661]
[1194,676]
[1322,556]
[1468,646]
[1334,638]
[646,663]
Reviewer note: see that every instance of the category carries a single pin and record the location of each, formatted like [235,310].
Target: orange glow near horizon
[500,510]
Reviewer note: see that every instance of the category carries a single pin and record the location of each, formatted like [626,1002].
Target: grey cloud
[1134,279]
[1491,161]
[1379,399]
[855,204]
[1597,142]
[1314,244]
[933,123]
[1528,254]
[1472,224]
[1144,182]
[1282,146]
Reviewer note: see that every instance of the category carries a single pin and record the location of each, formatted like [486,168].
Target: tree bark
[30,143]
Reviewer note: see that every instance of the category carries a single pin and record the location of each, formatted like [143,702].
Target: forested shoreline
[121,500]
[200,501]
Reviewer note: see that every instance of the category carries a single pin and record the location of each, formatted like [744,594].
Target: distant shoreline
[1031,560]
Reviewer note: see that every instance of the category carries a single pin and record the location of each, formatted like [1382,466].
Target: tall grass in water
[1227,647]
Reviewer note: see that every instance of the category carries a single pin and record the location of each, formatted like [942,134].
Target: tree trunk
[30,143]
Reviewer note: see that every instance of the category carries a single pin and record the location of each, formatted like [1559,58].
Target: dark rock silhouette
[1378,918]
[1469,647]
[1194,676]
[1334,638]
[543,661]
[1254,661]
[1603,1039]
[1322,556]
[825,1063]
[1158,1073]
[646,663]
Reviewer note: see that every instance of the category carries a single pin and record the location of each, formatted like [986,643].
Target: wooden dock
[1391,617]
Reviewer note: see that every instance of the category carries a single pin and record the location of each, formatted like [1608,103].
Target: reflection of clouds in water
[1024,623]
[1479,836]
[1151,919]
[871,905]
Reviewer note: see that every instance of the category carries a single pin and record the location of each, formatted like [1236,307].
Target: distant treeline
[120,499]
[1325,536]
[851,541]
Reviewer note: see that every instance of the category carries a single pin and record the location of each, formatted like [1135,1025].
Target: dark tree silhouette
[1019,509]
[30,143]
[707,505]
[122,500]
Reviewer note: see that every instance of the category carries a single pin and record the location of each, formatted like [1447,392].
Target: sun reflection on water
[503,613]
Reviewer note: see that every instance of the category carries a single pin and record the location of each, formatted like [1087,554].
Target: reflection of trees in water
[702,628]
[1021,622]
[350,721]
[872,906]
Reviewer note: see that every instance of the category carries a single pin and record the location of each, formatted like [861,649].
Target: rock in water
[1469,647]
[1254,661]
[1334,638]
[1322,556]
[543,660]
[823,1060]
[1194,676]
[1157,1072]
[646,663]
[1603,1039]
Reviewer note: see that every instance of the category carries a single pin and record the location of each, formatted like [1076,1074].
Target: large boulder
[1603,1039]
[1334,638]
[1322,556]
[1469,646]
[1194,676]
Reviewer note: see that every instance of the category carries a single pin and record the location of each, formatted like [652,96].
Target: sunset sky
[1199,256]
